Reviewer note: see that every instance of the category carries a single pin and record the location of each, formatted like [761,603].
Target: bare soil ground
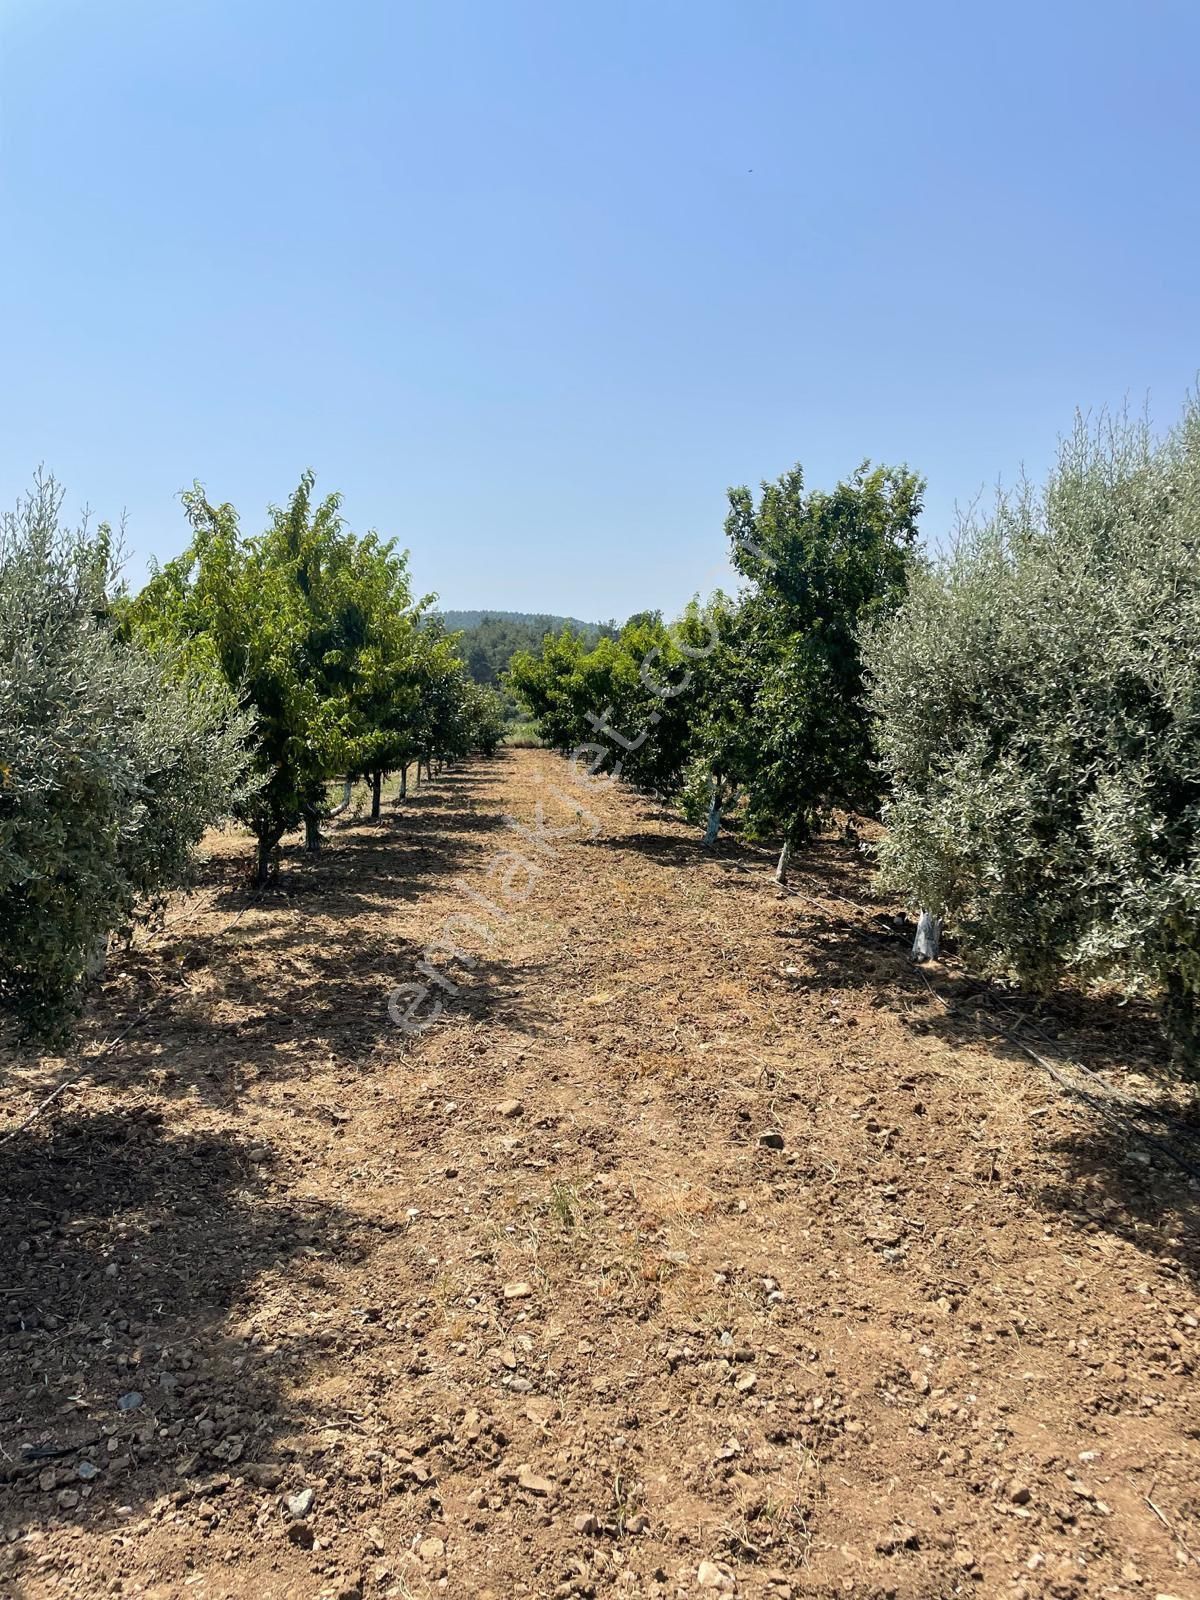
[704,1242]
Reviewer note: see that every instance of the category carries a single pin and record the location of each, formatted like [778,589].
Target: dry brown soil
[787,1269]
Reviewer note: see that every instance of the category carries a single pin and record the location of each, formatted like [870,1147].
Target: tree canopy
[763,697]
[315,628]
[1037,704]
[115,760]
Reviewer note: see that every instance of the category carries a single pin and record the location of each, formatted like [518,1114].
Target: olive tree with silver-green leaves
[112,764]
[1037,711]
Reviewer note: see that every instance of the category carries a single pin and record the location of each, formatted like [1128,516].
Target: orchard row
[1022,712]
[238,683]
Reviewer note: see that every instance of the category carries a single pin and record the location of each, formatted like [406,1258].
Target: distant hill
[492,638]
[543,621]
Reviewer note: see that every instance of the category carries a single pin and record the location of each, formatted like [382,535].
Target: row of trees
[1022,712]
[757,698]
[245,676]
[316,629]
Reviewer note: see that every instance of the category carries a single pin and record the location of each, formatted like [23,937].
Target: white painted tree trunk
[785,856]
[344,803]
[927,945]
[714,820]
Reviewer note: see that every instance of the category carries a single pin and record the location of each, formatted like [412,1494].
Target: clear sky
[532,283]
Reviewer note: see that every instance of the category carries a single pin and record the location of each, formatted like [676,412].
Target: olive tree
[1037,708]
[112,763]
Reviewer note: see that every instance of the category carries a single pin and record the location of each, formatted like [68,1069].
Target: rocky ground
[703,1244]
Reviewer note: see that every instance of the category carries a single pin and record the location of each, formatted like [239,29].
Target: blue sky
[533,283]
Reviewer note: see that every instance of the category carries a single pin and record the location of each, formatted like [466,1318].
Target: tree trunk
[344,803]
[785,856]
[403,795]
[97,957]
[927,945]
[714,817]
[376,794]
[1180,1012]
[266,849]
[312,831]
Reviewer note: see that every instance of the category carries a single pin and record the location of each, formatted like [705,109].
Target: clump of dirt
[702,1243]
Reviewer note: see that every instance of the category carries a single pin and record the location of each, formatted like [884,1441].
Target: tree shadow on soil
[1110,1183]
[301,972]
[828,865]
[138,1253]
[1122,1165]
[408,850]
[274,1006]
[1129,1165]
[730,866]
[133,1252]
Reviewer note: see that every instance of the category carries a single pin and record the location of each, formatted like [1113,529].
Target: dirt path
[702,1242]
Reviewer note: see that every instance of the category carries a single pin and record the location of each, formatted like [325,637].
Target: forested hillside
[540,621]
[491,638]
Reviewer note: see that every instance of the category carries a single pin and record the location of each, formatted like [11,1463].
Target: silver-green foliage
[1037,706]
[111,766]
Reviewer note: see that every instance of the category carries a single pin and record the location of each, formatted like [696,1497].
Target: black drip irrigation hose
[1118,1108]
[1114,1105]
